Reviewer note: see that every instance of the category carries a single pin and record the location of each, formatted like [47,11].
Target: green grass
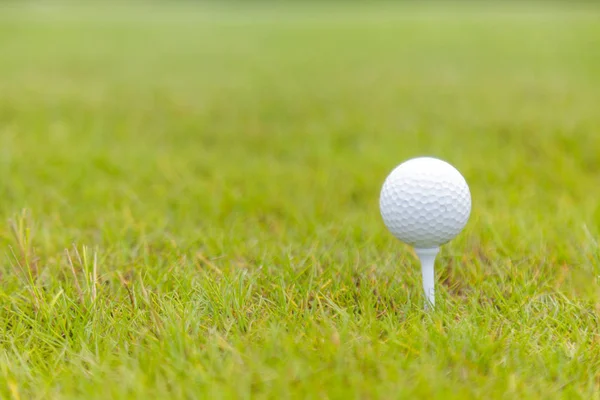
[189,202]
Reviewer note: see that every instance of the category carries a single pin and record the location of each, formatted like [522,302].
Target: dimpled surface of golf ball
[425,202]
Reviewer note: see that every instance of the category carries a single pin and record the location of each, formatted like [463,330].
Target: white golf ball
[425,202]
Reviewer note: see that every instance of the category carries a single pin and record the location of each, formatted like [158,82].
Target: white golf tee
[427,258]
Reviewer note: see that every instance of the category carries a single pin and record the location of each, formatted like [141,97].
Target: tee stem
[427,258]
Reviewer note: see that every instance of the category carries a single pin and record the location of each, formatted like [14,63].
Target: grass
[189,202]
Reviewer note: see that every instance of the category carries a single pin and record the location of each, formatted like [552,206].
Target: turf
[189,201]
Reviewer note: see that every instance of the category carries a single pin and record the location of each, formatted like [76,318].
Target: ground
[189,201]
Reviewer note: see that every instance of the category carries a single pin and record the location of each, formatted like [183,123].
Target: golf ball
[425,202]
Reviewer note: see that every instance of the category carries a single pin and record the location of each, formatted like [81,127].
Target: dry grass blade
[75,277]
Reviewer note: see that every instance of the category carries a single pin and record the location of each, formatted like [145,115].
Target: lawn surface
[189,202]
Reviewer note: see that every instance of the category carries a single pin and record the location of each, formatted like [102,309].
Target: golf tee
[427,258]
